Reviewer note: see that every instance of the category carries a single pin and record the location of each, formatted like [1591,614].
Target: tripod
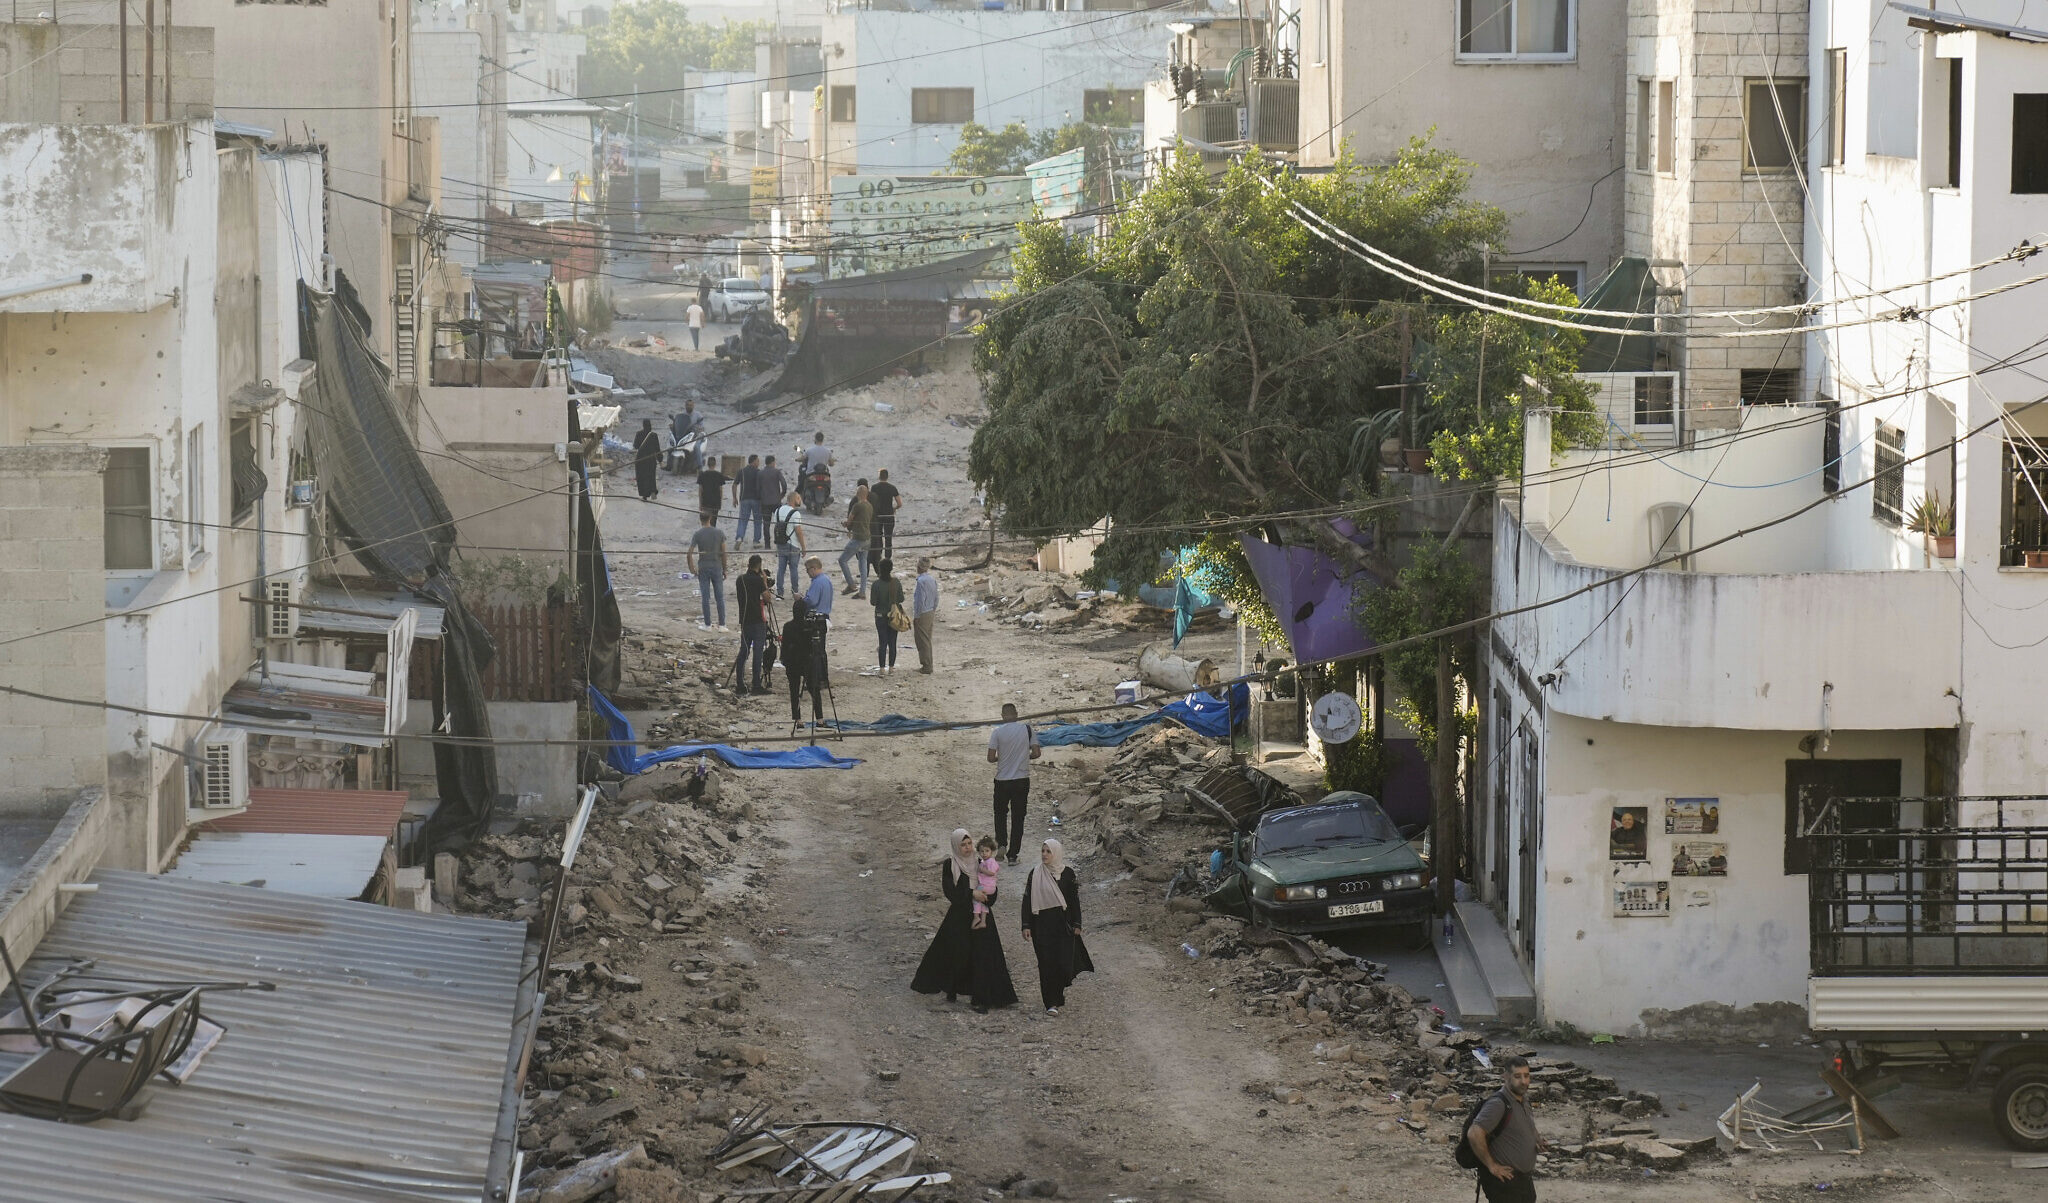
[819,679]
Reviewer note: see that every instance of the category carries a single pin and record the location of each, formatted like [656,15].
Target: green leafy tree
[1009,150]
[649,45]
[1485,368]
[1210,361]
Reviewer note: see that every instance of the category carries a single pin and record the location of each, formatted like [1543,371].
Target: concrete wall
[1733,234]
[492,452]
[1023,66]
[99,200]
[545,769]
[1543,137]
[1738,940]
[51,574]
[446,70]
[71,73]
[31,902]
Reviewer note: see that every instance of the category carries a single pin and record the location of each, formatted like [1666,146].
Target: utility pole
[1443,783]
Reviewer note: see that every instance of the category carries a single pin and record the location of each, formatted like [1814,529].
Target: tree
[1210,362]
[649,45]
[1009,150]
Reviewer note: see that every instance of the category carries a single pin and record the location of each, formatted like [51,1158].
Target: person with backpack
[887,598]
[787,530]
[1500,1139]
[1012,746]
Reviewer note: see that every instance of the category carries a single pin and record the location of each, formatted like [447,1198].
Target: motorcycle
[817,488]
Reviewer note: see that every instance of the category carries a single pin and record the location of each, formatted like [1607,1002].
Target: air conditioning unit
[280,617]
[224,770]
[1276,114]
[1214,123]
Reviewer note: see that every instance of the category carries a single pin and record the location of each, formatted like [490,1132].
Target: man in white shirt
[696,320]
[786,529]
[817,453]
[1011,748]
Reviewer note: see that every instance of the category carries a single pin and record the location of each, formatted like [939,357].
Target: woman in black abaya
[646,457]
[1052,922]
[964,959]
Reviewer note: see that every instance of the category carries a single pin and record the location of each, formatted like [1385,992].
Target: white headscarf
[1045,881]
[963,867]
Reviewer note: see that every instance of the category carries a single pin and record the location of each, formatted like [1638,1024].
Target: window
[1516,29]
[1322,32]
[246,467]
[1769,386]
[941,106]
[1945,139]
[1113,106]
[1773,116]
[842,103]
[1654,403]
[1643,115]
[1888,483]
[2030,142]
[195,492]
[1667,126]
[1838,108]
[1671,534]
[124,495]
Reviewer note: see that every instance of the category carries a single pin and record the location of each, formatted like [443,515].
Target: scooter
[817,488]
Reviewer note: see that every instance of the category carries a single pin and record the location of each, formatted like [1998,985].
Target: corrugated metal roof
[380,602]
[375,1070]
[280,709]
[317,812]
[326,866]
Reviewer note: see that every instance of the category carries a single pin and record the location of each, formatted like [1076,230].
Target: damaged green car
[1338,864]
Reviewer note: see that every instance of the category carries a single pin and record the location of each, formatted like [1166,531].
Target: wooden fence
[535,659]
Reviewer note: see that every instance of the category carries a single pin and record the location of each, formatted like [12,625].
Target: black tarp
[857,328]
[387,510]
[1630,287]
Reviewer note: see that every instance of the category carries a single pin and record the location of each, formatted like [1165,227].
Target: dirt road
[1155,1083]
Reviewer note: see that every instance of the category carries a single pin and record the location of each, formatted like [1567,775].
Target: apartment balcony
[116,203]
[1780,629]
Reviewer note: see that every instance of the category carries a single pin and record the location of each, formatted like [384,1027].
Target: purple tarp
[1312,594]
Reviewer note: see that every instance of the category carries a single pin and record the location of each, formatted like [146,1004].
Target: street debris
[824,1159]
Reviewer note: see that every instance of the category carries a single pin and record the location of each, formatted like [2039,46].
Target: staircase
[1485,980]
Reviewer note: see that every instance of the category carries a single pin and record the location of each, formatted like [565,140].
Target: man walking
[1503,1137]
[860,518]
[788,533]
[695,316]
[746,493]
[924,613]
[774,487]
[751,593]
[887,499]
[710,491]
[1011,748]
[706,560]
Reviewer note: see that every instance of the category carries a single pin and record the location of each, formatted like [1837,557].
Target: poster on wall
[1695,899]
[1692,816]
[1642,899]
[1628,833]
[1699,858]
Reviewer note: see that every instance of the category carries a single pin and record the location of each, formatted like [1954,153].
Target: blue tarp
[622,756]
[1203,713]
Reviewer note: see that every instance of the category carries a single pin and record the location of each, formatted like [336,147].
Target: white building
[1810,644]
[900,85]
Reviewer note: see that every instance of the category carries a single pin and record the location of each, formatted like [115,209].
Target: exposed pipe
[12,291]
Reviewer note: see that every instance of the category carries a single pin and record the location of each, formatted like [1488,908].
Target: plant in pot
[1936,521]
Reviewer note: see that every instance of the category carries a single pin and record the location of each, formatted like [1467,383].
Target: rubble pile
[1038,600]
[1137,789]
[641,1045]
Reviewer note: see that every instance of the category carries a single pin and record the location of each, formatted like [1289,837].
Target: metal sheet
[375,601]
[1927,1004]
[375,1071]
[324,866]
[317,812]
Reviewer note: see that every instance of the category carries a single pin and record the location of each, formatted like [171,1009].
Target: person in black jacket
[1052,922]
[963,958]
[802,653]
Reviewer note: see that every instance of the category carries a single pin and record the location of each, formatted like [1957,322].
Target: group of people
[966,956]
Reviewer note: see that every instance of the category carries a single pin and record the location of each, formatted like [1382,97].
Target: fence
[535,660]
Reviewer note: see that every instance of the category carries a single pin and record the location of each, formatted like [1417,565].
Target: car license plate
[1349,909]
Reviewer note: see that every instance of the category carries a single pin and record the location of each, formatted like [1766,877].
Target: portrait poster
[1699,858]
[1692,816]
[1642,899]
[1628,833]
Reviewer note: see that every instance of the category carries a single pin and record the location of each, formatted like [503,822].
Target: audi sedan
[1335,865]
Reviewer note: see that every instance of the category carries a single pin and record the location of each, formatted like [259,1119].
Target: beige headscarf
[1045,881]
[965,867]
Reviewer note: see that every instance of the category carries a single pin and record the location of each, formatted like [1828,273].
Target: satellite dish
[1335,718]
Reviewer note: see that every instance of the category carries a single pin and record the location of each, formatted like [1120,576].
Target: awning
[386,605]
[282,698]
[1630,286]
[379,1066]
[327,843]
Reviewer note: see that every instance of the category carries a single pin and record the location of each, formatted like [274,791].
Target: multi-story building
[1653,738]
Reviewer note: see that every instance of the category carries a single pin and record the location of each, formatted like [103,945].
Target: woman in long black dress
[646,457]
[964,959]
[1052,922]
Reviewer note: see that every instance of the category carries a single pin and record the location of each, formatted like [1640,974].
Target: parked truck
[1928,920]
